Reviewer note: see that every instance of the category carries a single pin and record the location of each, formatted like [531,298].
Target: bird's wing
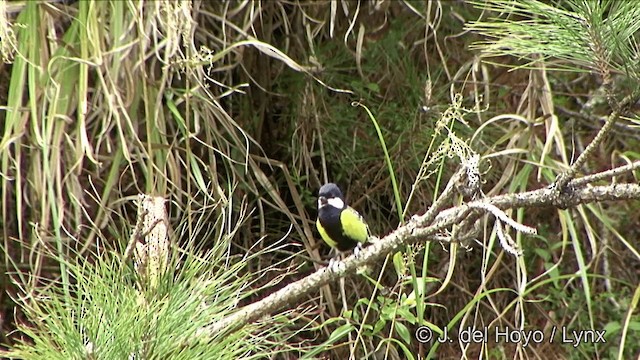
[353,225]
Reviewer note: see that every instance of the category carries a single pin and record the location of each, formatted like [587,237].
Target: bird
[339,225]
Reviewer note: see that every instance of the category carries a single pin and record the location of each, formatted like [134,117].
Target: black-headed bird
[339,225]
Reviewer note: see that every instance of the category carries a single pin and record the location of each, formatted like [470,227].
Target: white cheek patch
[336,202]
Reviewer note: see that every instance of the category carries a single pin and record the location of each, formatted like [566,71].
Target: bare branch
[563,179]
[605,174]
[414,231]
[506,241]
[504,217]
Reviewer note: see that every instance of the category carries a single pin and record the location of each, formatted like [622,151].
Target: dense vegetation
[236,112]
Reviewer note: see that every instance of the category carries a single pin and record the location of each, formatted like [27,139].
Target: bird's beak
[322,201]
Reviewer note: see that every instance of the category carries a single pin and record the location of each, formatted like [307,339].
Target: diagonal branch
[563,179]
[414,231]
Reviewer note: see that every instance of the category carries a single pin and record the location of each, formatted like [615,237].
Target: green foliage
[105,315]
[591,34]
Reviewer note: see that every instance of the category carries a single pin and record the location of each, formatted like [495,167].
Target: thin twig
[448,192]
[563,180]
[605,174]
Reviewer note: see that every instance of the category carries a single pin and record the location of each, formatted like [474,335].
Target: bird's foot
[357,250]
[335,266]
